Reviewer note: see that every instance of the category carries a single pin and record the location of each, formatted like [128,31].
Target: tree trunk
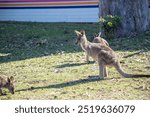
[134,14]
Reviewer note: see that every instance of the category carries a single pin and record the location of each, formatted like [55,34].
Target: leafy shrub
[110,24]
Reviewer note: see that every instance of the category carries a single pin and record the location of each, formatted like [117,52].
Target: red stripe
[7,1]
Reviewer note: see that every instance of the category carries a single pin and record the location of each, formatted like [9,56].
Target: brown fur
[97,39]
[103,54]
[6,82]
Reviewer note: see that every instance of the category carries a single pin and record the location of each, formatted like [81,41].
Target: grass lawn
[47,64]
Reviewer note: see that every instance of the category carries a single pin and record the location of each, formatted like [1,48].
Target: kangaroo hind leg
[101,70]
[87,58]
[105,71]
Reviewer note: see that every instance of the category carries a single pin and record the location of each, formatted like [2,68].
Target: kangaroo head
[80,37]
[10,84]
[97,38]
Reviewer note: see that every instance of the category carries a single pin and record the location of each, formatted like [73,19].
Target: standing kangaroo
[7,82]
[104,55]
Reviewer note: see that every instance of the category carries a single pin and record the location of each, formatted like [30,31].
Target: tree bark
[134,14]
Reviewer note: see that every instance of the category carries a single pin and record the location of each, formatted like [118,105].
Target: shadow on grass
[73,64]
[67,84]
[20,41]
[136,53]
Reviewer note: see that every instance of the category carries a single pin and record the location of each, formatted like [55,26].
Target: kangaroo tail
[127,75]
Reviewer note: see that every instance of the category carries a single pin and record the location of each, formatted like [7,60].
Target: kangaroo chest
[92,53]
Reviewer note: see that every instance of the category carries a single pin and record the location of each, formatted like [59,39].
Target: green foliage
[110,24]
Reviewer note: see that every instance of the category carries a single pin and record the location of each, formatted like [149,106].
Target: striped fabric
[15,4]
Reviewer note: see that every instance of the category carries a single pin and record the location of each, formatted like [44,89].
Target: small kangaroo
[104,55]
[7,82]
[97,39]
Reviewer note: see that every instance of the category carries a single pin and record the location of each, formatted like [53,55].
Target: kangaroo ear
[95,35]
[11,78]
[78,33]
[8,80]
[99,34]
[82,32]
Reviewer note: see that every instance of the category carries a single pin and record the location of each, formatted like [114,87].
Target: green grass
[47,64]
